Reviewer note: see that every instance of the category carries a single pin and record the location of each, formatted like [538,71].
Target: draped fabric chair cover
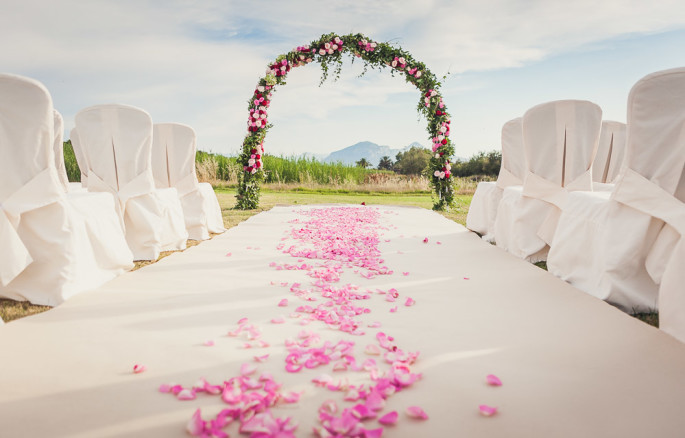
[610,153]
[58,150]
[483,209]
[81,158]
[625,237]
[560,141]
[117,140]
[173,165]
[47,252]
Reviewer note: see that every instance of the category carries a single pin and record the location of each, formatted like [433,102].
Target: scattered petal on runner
[417,412]
[488,411]
[493,380]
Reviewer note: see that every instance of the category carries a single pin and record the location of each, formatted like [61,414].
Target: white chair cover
[625,232]
[173,165]
[483,209]
[58,150]
[657,187]
[117,140]
[47,252]
[80,154]
[610,153]
[560,141]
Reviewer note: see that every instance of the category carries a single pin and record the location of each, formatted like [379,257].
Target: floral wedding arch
[328,51]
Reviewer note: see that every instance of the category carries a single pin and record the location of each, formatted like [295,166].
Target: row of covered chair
[550,150]
[607,218]
[150,169]
[58,240]
[53,245]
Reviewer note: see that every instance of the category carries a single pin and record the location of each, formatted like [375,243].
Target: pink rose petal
[186,394]
[195,425]
[393,310]
[247,369]
[362,412]
[389,419]
[137,369]
[351,395]
[279,320]
[293,367]
[417,412]
[372,349]
[488,411]
[405,273]
[340,366]
[209,343]
[261,358]
[228,254]
[375,401]
[493,380]
[375,433]
[291,397]
[410,302]
[425,240]
[283,302]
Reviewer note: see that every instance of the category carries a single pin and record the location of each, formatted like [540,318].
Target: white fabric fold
[186,185]
[486,199]
[173,165]
[535,186]
[41,190]
[506,179]
[142,184]
[619,249]
[643,195]
[559,142]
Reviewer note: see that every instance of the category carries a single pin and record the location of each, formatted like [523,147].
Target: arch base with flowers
[328,51]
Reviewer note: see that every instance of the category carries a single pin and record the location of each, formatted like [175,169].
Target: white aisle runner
[571,365]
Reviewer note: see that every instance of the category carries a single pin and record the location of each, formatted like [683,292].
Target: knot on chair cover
[186,185]
[142,184]
[43,189]
[638,192]
[535,186]
[506,179]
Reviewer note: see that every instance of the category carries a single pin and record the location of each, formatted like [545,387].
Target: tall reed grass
[309,170]
[298,173]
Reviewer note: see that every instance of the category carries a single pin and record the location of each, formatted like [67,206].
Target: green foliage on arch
[328,51]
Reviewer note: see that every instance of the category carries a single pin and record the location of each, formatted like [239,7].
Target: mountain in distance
[366,149]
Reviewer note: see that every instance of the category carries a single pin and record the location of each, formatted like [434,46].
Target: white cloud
[197,62]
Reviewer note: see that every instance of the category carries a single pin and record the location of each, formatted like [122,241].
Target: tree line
[415,162]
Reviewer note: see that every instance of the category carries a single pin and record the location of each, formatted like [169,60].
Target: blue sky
[197,62]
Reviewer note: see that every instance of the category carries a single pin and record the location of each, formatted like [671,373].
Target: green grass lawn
[271,198]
